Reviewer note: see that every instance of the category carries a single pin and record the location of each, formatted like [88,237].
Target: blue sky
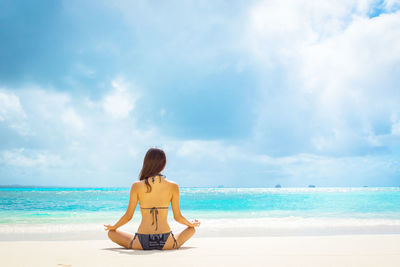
[238,93]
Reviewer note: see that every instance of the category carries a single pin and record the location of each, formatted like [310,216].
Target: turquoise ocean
[225,211]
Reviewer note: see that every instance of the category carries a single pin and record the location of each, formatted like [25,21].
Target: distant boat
[220,186]
[311,186]
[365,185]
[278,186]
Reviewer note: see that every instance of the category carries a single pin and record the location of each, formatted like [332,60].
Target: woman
[154,193]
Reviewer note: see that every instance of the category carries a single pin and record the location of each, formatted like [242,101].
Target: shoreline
[266,227]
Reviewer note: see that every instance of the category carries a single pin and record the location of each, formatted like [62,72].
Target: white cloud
[72,119]
[353,75]
[279,30]
[214,150]
[29,158]
[338,76]
[120,102]
[396,128]
[10,106]
[44,102]
[72,128]
[51,112]
[12,112]
[212,162]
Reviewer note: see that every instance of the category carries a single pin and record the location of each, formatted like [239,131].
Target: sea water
[228,211]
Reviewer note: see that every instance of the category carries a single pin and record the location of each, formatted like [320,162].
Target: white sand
[339,250]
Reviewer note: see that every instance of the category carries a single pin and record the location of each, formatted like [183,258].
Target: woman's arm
[177,211]
[133,199]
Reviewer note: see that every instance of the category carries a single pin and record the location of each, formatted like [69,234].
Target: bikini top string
[154,212]
[159,177]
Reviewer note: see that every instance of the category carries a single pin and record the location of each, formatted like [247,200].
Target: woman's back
[154,204]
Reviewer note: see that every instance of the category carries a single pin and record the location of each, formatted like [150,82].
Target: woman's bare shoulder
[173,184]
[137,185]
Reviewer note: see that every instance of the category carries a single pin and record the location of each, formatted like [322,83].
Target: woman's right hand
[109,227]
[194,223]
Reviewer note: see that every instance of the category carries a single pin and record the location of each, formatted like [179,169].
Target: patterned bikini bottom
[153,241]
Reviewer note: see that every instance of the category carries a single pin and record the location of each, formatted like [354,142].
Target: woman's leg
[181,238]
[123,239]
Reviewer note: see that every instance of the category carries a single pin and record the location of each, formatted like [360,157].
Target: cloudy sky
[237,93]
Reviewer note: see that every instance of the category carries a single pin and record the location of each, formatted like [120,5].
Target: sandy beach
[334,250]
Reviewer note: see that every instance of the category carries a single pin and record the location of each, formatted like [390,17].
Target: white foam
[212,227]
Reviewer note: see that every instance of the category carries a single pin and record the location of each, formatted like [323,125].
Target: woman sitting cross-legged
[154,193]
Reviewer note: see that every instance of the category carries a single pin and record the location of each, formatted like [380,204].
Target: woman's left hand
[109,227]
[195,223]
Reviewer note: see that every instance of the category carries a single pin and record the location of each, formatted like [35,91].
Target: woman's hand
[195,223]
[109,227]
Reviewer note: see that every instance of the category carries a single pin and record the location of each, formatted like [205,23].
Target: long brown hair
[153,163]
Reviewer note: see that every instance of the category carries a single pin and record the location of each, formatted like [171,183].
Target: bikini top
[154,210]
